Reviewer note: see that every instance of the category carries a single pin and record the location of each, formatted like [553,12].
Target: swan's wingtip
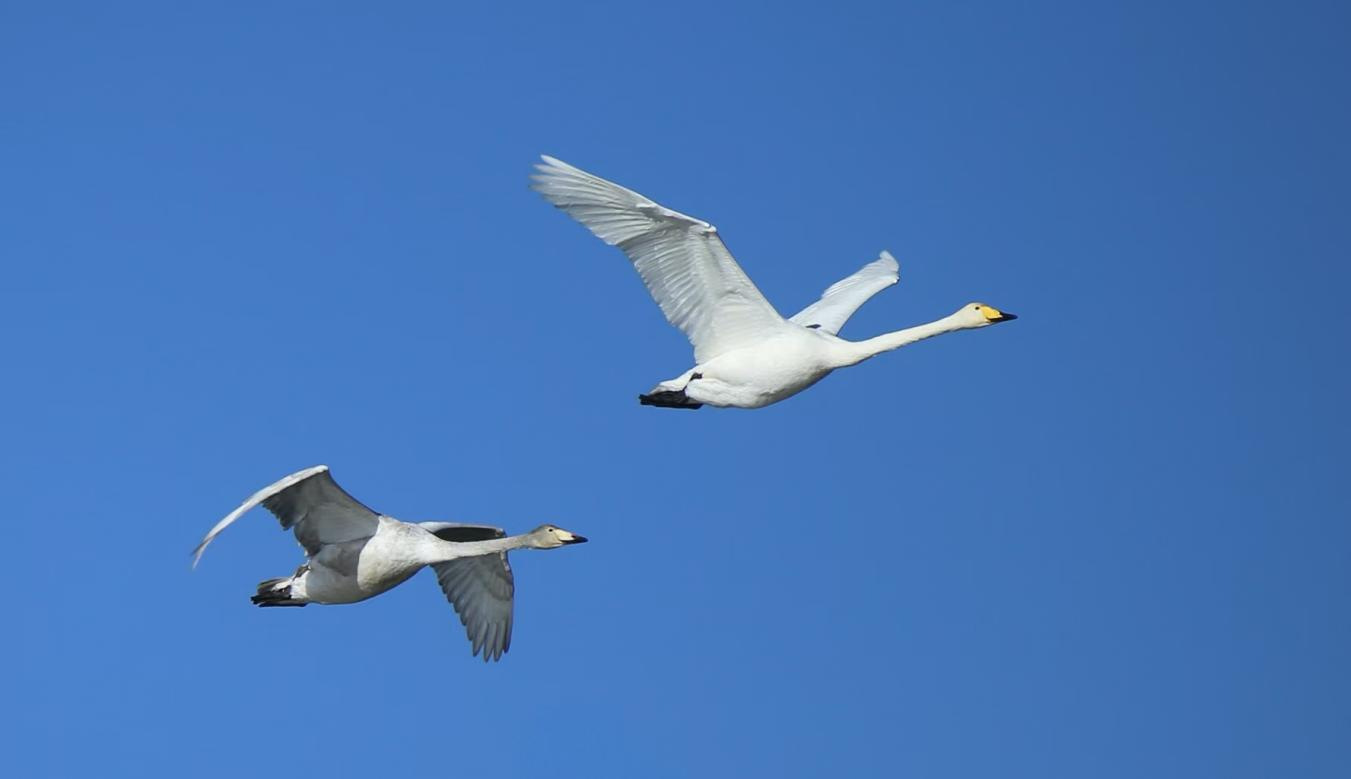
[552,163]
[305,473]
[546,170]
[885,257]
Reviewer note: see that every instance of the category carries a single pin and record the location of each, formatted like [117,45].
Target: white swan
[355,553]
[747,355]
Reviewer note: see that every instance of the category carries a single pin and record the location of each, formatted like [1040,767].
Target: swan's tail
[279,592]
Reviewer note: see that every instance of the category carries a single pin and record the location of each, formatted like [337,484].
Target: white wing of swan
[843,298]
[682,260]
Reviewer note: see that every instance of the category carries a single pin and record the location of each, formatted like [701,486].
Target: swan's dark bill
[576,540]
[1005,316]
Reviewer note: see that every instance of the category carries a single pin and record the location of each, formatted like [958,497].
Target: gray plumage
[354,553]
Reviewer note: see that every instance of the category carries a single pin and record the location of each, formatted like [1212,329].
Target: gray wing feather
[480,588]
[312,504]
[321,513]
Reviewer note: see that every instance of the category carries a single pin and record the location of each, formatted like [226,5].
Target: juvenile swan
[747,355]
[353,554]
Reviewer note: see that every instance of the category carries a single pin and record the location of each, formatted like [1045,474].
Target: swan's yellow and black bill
[575,539]
[993,314]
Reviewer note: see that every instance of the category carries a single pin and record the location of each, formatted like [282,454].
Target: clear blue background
[1110,539]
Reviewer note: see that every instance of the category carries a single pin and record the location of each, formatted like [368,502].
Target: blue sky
[1110,539]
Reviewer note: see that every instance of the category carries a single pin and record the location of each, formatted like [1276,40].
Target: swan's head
[553,536]
[982,315]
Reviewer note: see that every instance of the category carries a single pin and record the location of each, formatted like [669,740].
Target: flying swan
[353,554]
[747,355]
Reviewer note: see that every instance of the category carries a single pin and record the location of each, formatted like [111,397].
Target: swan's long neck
[855,352]
[435,550]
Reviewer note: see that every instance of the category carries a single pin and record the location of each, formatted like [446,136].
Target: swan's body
[354,553]
[746,354]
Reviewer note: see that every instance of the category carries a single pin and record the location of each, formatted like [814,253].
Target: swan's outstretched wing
[683,262]
[480,588]
[843,298]
[311,502]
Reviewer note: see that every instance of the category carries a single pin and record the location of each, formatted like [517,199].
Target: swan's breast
[763,374]
[388,558]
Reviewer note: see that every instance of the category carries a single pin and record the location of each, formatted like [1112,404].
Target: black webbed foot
[669,399]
